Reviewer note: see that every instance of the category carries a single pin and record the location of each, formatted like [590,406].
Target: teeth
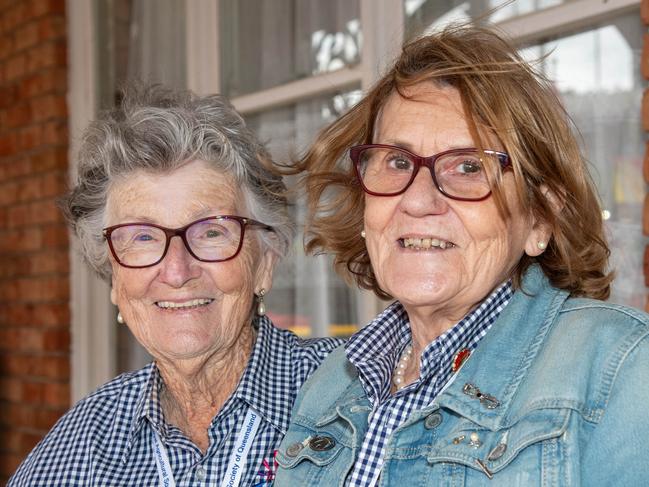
[187,304]
[425,243]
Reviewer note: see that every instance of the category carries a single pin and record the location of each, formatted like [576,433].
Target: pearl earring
[362,233]
[120,318]
[541,245]
[261,307]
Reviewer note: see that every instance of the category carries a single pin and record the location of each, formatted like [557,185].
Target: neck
[196,389]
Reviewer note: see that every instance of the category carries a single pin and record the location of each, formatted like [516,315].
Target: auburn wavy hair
[501,94]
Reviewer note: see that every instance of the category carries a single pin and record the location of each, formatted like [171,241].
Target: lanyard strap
[162,462]
[237,461]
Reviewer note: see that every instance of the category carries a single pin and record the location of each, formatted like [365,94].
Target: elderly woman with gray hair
[215,403]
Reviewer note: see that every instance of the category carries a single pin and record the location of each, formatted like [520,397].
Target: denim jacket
[556,394]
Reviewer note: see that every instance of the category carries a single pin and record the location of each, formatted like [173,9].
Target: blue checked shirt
[107,438]
[375,352]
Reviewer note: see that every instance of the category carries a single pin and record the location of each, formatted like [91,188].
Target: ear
[541,232]
[264,273]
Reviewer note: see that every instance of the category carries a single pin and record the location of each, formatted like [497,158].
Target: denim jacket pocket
[493,451]
[320,450]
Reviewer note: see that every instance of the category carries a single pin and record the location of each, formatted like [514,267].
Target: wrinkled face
[432,253]
[159,303]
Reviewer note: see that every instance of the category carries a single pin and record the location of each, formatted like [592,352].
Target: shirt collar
[267,383]
[375,349]
[262,380]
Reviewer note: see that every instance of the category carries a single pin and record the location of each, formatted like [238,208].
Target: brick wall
[34,267]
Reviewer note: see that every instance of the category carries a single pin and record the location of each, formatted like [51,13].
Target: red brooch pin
[459,359]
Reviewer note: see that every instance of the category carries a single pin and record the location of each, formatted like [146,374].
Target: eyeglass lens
[142,245]
[461,174]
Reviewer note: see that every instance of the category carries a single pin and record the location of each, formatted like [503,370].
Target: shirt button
[433,421]
[201,474]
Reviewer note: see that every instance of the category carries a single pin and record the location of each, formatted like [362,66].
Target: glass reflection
[424,15]
[265,44]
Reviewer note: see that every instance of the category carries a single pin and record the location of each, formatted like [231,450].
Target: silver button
[294,449]
[201,474]
[433,421]
[321,443]
[498,451]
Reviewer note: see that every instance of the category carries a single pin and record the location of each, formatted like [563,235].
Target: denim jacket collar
[501,361]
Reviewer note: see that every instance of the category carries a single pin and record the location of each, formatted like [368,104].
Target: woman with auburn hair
[457,188]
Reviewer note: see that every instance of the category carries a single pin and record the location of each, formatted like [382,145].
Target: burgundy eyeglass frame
[182,233]
[429,162]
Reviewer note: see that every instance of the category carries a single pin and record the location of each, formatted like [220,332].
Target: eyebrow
[409,147]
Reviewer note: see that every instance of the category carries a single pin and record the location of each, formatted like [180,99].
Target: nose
[422,197]
[178,267]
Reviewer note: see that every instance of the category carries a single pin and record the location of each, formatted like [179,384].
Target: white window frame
[93,354]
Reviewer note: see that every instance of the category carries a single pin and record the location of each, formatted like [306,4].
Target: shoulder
[328,384]
[592,352]
[605,326]
[308,350]
[70,443]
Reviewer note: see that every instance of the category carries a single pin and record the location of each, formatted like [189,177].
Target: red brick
[26,36]
[35,314]
[49,262]
[6,46]
[15,67]
[53,80]
[27,416]
[8,194]
[19,115]
[42,7]
[46,55]
[8,95]
[50,158]
[33,213]
[55,132]
[49,106]
[21,240]
[31,365]
[51,28]
[14,167]
[10,389]
[57,394]
[29,137]
[8,144]
[15,16]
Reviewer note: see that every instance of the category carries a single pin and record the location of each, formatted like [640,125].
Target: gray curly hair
[157,129]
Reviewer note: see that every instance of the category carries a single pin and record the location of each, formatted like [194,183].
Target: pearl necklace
[399,370]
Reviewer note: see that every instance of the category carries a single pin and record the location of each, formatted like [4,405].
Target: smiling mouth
[425,243]
[191,304]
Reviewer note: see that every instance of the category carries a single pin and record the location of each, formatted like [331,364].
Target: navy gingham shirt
[375,351]
[107,438]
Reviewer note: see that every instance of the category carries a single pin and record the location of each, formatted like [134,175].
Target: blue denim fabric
[570,377]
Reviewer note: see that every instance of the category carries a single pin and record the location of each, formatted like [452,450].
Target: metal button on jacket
[321,443]
[294,449]
[498,451]
[432,421]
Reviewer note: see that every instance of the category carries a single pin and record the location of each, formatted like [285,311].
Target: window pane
[141,40]
[307,295]
[267,43]
[597,73]
[424,15]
